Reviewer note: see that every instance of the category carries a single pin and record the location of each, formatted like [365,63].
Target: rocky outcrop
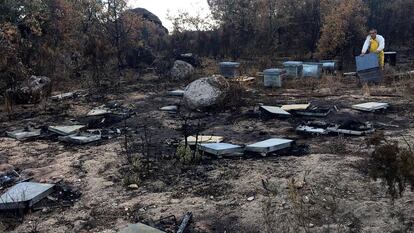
[148,16]
[148,35]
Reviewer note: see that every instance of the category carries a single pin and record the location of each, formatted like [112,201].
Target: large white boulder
[181,70]
[206,92]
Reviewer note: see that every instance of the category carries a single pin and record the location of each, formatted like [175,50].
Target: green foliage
[137,169]
[130,178]
[186,155]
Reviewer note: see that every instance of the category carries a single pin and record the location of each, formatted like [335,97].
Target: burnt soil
[216,191]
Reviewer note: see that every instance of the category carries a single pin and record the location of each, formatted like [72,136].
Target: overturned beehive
[32,91]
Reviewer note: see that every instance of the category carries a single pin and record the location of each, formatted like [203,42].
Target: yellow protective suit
[373,49]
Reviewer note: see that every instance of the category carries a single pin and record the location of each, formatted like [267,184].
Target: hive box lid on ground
[63,96]
[66,129]
[367,62]
[176,93]
[311,130]
[24,194]
[370,106]
[243,79]
[81,138]
[99,112]
[349,131]
[191,140]
[269,145]
[24,134]
[274,110]
[220,148]
[172,108]
[352,127]
[289,107]
[314,111]
[139,228]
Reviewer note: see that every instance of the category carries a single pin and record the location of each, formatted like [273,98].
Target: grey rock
[78,225]
[181,70]
[206,92]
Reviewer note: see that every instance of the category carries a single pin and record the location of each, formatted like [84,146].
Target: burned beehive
[32,91]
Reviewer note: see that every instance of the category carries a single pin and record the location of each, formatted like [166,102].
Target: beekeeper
[376,44]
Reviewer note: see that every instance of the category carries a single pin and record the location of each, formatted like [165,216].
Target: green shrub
[186,155]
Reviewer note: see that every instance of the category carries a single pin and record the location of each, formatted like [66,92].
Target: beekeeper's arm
[381,42]
[366,45]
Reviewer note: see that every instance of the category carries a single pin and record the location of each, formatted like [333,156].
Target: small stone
[133,186]
[285,205]
[78,225]
[250,198]
[299,184]
[158,186]
[311,225]
[175,201]
[108,183]
[211,197]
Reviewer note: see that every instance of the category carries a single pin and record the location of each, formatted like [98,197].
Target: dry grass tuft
[394,165]
[338,146]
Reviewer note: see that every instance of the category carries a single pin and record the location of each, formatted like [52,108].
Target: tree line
[309,29]
[95,40]
[72,40]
